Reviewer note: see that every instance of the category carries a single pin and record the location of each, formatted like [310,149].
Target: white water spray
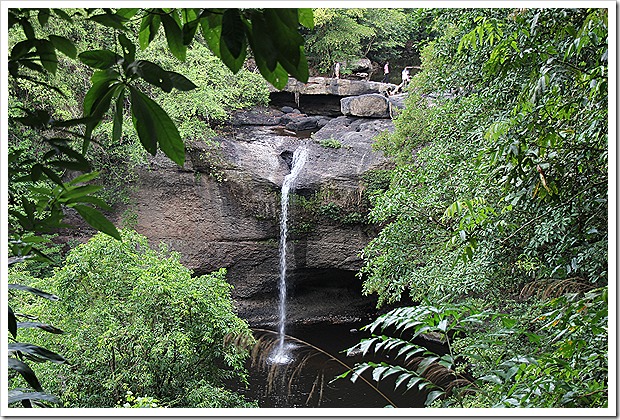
[299,159]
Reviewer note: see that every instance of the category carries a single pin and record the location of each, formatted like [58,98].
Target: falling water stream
[281,355]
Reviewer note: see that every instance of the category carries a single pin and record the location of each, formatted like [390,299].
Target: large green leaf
[117,126]
[83,178]
[288,41]
[16,395]
[80,191]
[37,352]
[174,36]
[181,82]
[306,17]
[152,74]
[64,45]
[265,52]
[63,15]
[33,291]
[129,49]
[110,20]
[148,29]
[97,220]
[432,396]
[127,13]
[211,25]
[97,103]
[190,24]
[43,16]
[90,199]
[233,45]
[47,55]
[154,125]
[22,48]
[155,75]
[26,372]
[99,59]
[98,95]
[71,165]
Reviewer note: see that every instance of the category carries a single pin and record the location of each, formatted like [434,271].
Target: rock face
[321,95]
[222,210]
[337,87]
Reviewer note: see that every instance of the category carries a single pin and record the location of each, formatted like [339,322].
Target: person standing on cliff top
[406,77]
[337,70]
[386,72]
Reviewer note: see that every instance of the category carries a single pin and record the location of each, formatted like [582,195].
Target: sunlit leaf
[306,17]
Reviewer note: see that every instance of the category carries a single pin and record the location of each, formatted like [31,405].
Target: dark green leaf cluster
[20,353]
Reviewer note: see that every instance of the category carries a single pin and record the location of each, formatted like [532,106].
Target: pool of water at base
[309,380]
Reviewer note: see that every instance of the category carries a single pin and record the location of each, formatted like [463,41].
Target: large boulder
[363,65]
[372,105]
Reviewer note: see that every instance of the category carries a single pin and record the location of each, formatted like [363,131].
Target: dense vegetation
[380,35]
[137,320]
[496,217]
[495,221]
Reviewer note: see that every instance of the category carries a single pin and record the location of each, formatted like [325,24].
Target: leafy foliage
[136,316]
[500,194]
[502,174]
[331,143]
[119,76]
[483,361]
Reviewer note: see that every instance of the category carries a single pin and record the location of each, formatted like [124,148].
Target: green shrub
[331,143]
[137,320]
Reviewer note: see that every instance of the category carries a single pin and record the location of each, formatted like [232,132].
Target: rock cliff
[222,210]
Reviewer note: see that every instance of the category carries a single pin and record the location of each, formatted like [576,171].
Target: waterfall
[299,159]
